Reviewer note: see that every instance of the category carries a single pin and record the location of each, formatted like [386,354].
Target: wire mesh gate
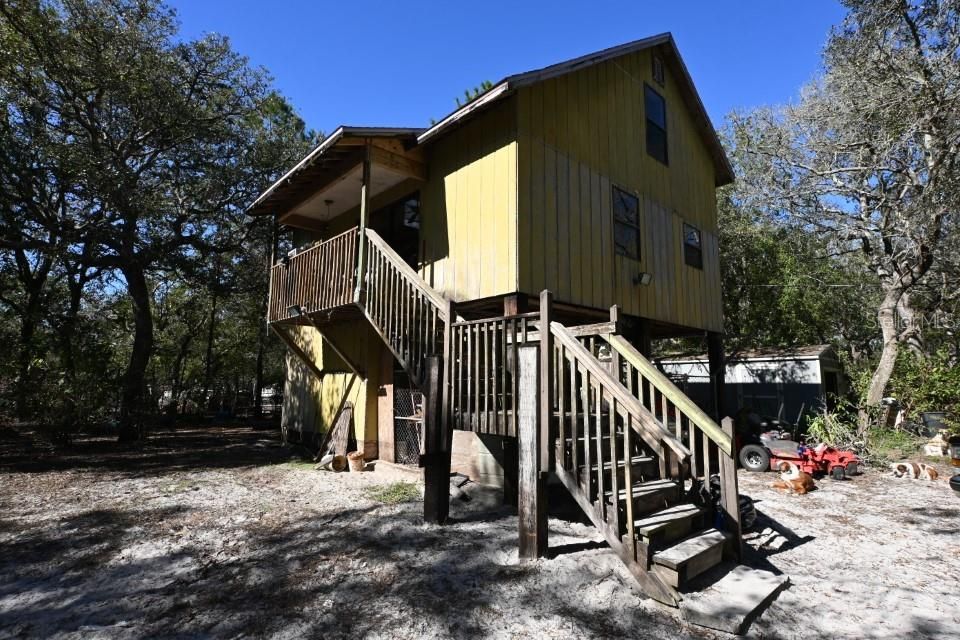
[407,422]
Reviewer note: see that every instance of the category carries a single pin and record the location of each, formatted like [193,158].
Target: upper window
[626,224]
[656,110]
[658,70]
[692,246]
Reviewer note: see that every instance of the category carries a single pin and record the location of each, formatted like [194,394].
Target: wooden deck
[321,278]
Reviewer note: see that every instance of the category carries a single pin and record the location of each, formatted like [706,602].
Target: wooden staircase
[617,456]
[622,439]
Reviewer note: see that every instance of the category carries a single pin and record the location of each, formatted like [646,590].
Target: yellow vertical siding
[310,406]
[469,208]
[578,135]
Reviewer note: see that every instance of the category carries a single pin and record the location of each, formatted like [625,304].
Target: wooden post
[643,340]
[717,373]
[532,507]
[435,460]
[515,304]
[545,450]
[359,293]
[729,492]
[446,420]
[386,431]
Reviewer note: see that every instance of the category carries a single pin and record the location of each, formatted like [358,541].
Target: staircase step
[688,558]
[649,495]
[641,465]
[666,525]
[734,601]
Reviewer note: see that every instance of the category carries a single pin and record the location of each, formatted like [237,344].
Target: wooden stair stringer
[650,584]
[403,360]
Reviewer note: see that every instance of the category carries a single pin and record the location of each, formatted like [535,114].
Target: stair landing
[735,600]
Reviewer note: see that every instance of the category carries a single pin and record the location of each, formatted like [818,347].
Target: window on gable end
[656,116]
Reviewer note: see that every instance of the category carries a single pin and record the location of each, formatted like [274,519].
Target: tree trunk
[24,387]
[133,378]
[887,318]
[912,336]
[208,364]
[68,331]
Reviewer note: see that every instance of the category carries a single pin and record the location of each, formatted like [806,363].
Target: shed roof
[808,352]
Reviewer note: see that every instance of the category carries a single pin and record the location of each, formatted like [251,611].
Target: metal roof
[808,352]
[506,87]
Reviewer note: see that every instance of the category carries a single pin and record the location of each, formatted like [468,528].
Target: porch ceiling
[343,194]
[333,170]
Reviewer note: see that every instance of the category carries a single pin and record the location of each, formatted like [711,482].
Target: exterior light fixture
[643,278]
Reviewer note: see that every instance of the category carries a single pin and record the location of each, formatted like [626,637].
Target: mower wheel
[837,473]
[753,457]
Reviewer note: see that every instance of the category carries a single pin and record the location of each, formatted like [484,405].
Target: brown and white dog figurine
[794,480]
[914,470]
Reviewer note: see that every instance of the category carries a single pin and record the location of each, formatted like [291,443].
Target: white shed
[776,382]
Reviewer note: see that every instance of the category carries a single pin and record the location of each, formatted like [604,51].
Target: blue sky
[400,63]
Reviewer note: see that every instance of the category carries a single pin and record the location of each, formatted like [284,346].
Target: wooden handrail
[315,278]
[663,384]
[464,323]
[412,277]
[651,426]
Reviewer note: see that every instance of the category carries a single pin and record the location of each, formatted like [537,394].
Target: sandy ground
[870,557]
[216,533]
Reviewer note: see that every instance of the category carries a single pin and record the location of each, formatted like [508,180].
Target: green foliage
[394,493]
[926,383]
[876,447]
[782,286]
[469,95]
[127,155]
[837,429]
[891,445]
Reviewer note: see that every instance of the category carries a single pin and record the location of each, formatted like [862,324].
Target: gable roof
[507,86]
[297,180]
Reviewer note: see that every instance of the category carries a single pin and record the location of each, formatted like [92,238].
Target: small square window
[626,224]
[656,112]
[692,247]
[658,70]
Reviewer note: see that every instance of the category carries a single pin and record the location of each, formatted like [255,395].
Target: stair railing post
[546,376]
[729,493]
[446,408]
[360,290]
[532,500]
[436,457]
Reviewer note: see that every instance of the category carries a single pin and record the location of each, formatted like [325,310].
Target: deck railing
[409,316]
[483,381]
[317,278]
[712,450]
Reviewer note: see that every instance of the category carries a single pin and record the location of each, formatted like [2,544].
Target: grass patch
[891,446]
[394,493]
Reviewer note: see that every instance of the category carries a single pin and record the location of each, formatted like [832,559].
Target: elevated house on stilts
[484,294]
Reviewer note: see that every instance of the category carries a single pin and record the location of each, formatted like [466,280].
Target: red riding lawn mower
[763,444]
